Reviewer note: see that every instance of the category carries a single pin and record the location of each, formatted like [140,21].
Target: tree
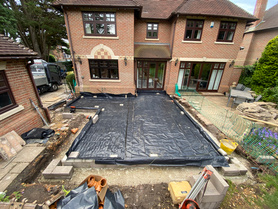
[266,71]
[39,25]
[7,20]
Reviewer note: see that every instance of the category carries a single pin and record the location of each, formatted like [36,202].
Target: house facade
[259,34]
[127,46]
[16,88]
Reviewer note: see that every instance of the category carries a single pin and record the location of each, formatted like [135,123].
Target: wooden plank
[261,121]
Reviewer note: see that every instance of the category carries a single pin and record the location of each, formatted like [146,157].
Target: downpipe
[36,91]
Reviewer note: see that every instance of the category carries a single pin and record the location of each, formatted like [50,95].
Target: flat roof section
[148,129]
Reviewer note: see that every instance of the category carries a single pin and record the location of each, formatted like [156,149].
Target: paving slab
[6,181]
[15,140]
[19,168]
[28,154]
[233,170]
[5,170]
[52,165]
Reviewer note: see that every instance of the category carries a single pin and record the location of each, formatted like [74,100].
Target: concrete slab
[19,168]
[243,170]
[6,149]
[52,165]
[4,171]
[6,181]
[15,140]
[60,172]
[265,159]
[74,155]
[67,115]
[233,170]
[28,154]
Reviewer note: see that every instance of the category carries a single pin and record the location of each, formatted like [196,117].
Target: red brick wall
[122,47]
[130,31]
[164,31]
[206,49]
[258,44]
[22,90]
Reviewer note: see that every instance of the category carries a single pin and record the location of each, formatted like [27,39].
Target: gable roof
[11,50]
[270,19]
[164,9]
[106,3]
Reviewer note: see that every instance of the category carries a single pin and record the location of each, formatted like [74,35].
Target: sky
[249,5]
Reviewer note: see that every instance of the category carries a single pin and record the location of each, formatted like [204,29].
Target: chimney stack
[260,10]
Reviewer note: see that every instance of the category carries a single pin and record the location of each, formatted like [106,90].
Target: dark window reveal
[7,101]
[99,23]
[194,30]
[104,69]
[226,31]
[152,30]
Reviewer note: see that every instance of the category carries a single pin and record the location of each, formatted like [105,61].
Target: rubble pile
[260,110]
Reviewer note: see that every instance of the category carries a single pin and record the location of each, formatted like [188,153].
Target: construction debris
[260,110]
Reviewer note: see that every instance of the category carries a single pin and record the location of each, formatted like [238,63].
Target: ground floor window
[7,101]
[104,69]
[200,76]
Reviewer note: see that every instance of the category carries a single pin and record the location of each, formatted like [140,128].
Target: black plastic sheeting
[84,197]
[148,129]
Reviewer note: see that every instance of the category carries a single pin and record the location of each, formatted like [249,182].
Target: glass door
[216,76]
[194,76]
[200,76]
[150,75]
[160,75]
[204,76]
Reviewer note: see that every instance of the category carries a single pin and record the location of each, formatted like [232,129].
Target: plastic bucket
[228,146]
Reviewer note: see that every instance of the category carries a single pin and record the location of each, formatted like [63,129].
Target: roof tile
[215,8]
[9,48]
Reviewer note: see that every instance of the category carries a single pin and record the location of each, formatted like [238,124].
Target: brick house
[16,87]
[258,35]
[124,46]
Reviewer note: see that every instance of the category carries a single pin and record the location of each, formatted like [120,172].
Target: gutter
[71,47]
[36,91]
[173,38]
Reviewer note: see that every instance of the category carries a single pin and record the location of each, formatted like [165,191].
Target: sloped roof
[213,8]
[164,9]
[108,3]
[270,19]
[10,50]
[153,51]
[158,9]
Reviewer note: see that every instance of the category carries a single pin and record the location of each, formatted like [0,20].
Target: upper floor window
[152,30]
[99,23]
[7,101]
[226,31]
[194,30]
[104,69]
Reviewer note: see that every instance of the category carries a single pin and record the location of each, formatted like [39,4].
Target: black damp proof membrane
[148,129]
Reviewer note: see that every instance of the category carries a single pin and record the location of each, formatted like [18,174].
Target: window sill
[105,80]
[11,112]
[151,39]
[192,42]
[224,43]
[102,37]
